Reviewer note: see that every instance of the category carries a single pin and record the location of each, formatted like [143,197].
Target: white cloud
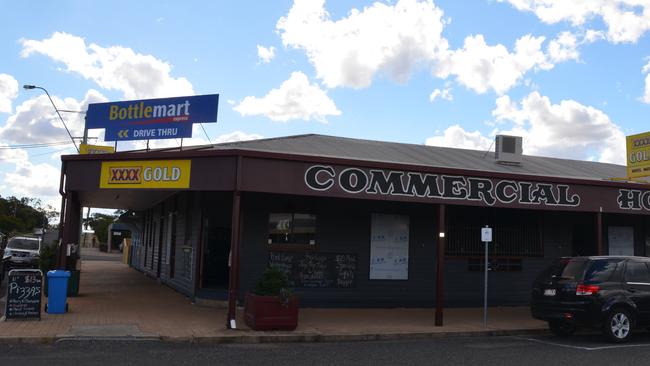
[381,38]
[236,136]
[296,98]
[265,54]
[8,91]
[34,180]
[443,94]
[567,130]
[455,136]
[12,155]
[112,68]
[480,67]
[35,120]
[646,95]
[563,48]
[625,20]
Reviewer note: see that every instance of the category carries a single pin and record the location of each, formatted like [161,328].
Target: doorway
[216,250]
[215,268]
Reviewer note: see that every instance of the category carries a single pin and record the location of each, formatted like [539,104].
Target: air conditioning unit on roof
[508,150]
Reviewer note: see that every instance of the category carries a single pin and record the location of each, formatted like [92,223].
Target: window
[292,229]
[637,272]
[601,270]
[515,233]
[507,241]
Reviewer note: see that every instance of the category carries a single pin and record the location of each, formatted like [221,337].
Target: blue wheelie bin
[57,296]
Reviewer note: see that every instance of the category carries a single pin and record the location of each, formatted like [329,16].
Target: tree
[99,223]
[23,215]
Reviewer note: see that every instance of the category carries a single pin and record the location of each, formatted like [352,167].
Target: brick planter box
[269,313]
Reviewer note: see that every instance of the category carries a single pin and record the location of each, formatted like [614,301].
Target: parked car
[607,292]
[21,252]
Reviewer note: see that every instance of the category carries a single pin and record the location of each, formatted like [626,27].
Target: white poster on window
[621,240]
[389,247]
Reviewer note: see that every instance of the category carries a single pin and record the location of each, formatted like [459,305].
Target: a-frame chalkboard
[24,288]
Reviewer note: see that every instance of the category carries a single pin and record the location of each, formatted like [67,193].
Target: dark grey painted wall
[343,226]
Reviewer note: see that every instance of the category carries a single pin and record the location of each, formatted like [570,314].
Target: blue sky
[572,78]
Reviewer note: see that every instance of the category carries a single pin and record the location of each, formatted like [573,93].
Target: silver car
[21,252]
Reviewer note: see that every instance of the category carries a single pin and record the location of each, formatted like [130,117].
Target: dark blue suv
[607,292]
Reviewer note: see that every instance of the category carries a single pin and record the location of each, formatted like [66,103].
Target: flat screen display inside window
[292,228]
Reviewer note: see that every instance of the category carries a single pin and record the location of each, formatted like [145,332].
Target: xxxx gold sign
[638,155]
[145,174]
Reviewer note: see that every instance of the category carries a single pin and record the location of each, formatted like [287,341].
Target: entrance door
[216,250]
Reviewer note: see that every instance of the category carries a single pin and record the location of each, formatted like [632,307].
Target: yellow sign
[638,155]
[145,174]
[95,149]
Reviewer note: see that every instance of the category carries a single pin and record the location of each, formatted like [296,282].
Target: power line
[35,145]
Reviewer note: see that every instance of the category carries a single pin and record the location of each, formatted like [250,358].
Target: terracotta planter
[269,313]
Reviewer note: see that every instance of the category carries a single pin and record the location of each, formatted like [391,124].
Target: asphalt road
[589,349]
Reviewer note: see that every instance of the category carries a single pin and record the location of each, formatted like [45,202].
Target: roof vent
[507,150]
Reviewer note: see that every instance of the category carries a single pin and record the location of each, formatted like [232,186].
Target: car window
[637,272]
[601,270]
[564,269]
[24,244]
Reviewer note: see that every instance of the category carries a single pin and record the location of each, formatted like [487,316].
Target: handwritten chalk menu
[389,247]
[316,270]
[24,294]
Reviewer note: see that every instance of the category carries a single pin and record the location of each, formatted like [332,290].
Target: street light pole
[29,87]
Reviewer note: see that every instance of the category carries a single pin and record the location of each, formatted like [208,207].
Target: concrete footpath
[118,302]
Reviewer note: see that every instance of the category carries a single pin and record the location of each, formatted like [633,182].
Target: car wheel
[561,328]
[618,325]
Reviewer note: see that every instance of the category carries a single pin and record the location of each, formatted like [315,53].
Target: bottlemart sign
[150,119]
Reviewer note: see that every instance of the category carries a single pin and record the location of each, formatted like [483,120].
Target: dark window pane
[23,244]
[637,272]
[279,228]
[601,270]
[304,228]
[287,228]
[564,269]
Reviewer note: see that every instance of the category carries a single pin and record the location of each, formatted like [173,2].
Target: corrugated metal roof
[432,156]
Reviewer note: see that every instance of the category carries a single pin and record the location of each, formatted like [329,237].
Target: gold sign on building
[95,149]
[145,174]
[638,155]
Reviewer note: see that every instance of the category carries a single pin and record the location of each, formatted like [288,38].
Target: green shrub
[47,259]
[273,282]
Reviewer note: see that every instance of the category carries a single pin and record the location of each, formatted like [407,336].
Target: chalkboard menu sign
[316,270]
[24,294]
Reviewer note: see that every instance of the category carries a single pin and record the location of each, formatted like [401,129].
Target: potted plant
[272,306]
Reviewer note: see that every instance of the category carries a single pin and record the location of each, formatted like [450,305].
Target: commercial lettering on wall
[145,174]
[633,199]
[439,186]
